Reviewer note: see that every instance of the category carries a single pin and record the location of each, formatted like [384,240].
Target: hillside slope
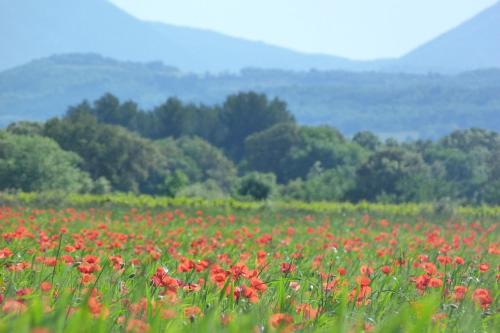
[33,29]
[472,45]
[395,104]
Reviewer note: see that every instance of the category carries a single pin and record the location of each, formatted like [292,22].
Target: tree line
[249,147]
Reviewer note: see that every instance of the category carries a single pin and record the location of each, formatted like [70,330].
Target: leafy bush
[257,186]
[34,163]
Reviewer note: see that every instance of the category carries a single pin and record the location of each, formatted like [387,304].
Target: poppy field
[188,269]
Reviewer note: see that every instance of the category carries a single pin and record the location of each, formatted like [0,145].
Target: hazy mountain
[472,45]
[394,104]
[34,29]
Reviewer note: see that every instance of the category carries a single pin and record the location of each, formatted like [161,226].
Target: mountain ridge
[97,26]
[35,29]
[465,46]
[395,104]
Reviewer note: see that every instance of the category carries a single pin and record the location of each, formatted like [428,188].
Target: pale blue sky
[359,29]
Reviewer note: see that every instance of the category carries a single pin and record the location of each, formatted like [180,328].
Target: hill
[34,29]
[472,45]
[389,104]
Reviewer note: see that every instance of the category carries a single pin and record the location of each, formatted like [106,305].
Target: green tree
[175,182]
[266,150]
[466,171]
[367,140]
[248,113]
[112,152]
[324,145]
[468,139]
[176,119]
[383,174]
[492,187]
[33,163]
[257,186]
[198,160]
[106,109]
[321,185]
[25,128]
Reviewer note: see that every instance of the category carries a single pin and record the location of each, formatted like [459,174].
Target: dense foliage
[250,147]
[39,164]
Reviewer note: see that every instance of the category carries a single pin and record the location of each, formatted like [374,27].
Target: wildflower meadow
[118,268]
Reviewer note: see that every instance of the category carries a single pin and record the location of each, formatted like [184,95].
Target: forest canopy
[249,147]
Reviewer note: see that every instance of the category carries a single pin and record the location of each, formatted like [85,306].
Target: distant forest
[249,147]
[396,105]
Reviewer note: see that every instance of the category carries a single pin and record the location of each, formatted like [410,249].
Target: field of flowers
[198,269]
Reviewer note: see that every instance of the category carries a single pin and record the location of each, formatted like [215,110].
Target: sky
[356,29]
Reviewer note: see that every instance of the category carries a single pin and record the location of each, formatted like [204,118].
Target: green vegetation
[38,164]
[124,263]
[250,148]
[436,211]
